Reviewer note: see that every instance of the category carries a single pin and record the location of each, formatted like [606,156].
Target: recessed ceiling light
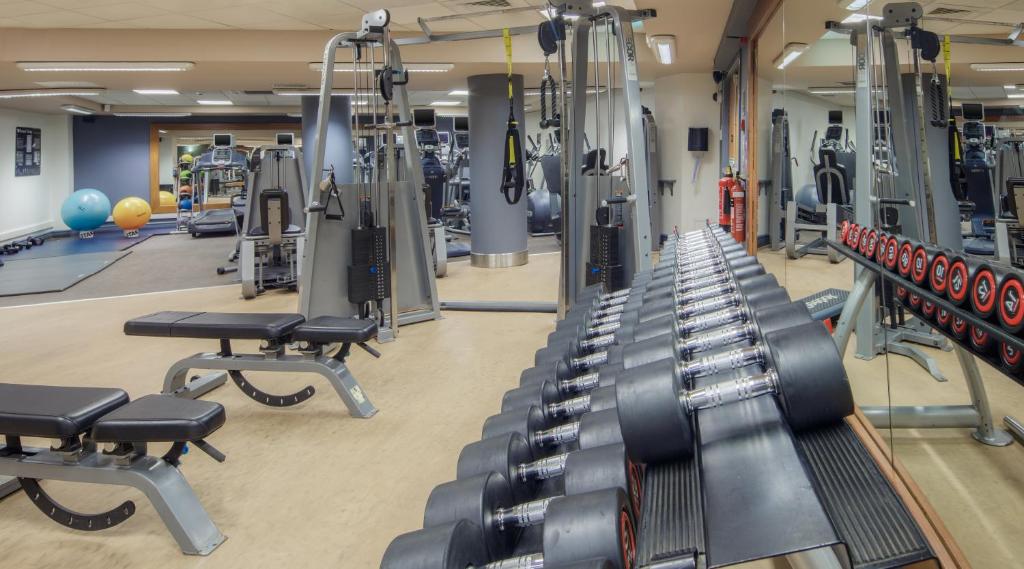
[343,67]
[550,13]
[1016,96]
[24,93]
[790,54]
[1010,87]
[161,131]
[458,93]
[155,114]
[997,66]
[220,102]
[77,109]
[830,91]
[854,5]
[155,91]
[445,104]
[858,18]
[138,66]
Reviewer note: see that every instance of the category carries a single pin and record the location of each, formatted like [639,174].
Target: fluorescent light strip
[215,102]
[790,54]
[997,67]
[854,5]
[1016,96]
[827,91]
[858,18]
[344,67]
[77,109]
[29,93]
[137,66]
[445,104]
[156,114]
[156,91]
[458,93]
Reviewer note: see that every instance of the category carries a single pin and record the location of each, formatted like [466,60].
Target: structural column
[498,229]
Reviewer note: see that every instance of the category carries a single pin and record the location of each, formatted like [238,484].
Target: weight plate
[937,276]
[891,253]
[959,328]
[603,468]
[540,394]
[957,282]
[983,292]
[980,340]
[596,525]
[655,427]
[944,318]
[883,243]
[1011,313]
[523,421]
[862,246]
[503,454]
[905,259]
[928,309]
[919,265]
[869,250]
[915,301]
[1010,357]
[600,428]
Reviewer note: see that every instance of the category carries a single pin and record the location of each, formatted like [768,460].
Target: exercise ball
[186,159]
[807,196]
[185,190]
[85,209]
[167,198]
[132,213]
[185,204]
[185,175]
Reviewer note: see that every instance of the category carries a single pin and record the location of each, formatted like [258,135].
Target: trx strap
[512,176]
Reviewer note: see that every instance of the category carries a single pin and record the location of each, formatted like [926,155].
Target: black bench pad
[331,329]
[214,325]
[160,419]
[54,412]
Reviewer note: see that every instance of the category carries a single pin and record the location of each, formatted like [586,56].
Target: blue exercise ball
[185,204]
[85,209]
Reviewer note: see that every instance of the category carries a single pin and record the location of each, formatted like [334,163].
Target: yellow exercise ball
[132,213]
[166,199]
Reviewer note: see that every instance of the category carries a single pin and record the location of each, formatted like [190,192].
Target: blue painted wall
[112,153]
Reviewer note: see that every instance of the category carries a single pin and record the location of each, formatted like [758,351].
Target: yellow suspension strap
[953,133]
[512,177]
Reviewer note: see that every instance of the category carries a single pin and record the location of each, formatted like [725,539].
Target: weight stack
[605,266]
[369,275]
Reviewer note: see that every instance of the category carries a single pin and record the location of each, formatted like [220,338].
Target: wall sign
[28,149]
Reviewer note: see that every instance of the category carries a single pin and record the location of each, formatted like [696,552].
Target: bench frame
[162,483]
[312,359]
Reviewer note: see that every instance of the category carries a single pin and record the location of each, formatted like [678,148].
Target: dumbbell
[1011,302]
[938,273]
[962,271]
[891,254]
[550,395]
[587,531]
[590,430]
[803,370]
[488,501]
[572,360]
[905,257]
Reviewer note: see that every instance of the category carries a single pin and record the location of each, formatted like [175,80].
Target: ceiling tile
[369,5]
[255,17]
[123,11]
[166,21]
[408,14]
[198,8]
[79,5]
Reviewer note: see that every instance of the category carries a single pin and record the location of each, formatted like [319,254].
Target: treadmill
[221,157]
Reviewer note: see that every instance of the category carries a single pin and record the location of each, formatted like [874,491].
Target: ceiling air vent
[258,92]
[942,11]
[490,4]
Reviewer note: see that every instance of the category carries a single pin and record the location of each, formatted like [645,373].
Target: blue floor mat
[52,274]
[105,241]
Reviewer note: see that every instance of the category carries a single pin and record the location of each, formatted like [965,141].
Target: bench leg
[348,389]
[176,381]
[8,486]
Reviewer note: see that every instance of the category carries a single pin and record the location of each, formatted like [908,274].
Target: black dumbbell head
[502,454]
[523,421]
[601,468]
[599,428]
[813,389]
[474,499]
[596,525]
[452,546]
[655,427]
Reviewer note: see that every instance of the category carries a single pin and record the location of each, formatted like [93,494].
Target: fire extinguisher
[739,211]
[725,187]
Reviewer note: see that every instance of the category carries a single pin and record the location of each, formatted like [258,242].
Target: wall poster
[28,149]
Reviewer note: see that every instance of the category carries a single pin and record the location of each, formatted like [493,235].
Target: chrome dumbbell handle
[535,561]
[571,407]
[559,435]
[715,339]
[542,469]
[725,361]
[583,363]
[580,383]
[521,515]
[732,391]
[711,320]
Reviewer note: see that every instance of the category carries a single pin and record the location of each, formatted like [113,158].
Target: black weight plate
[665,323]
[599,429]
[984,292]
[813,389]
[603,468]
[602,398]
[474,499]
[451,546]
[540,394]
[655,427]
[748,271]
[1011,303]
[502,454]
[781,316]
[767,298]
[596,525]
[664,346]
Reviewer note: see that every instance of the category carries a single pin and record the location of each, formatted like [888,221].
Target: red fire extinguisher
[739,212]
[725,188]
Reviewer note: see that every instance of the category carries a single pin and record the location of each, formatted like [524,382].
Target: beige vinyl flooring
[312,487]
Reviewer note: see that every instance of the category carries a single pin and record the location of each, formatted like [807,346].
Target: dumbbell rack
[977,415]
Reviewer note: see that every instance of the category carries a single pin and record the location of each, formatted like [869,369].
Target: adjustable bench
[82,417]
[311,338]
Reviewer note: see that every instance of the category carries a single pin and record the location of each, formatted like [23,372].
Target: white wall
[684,101]
[806,115]
[167,157]
[32,203]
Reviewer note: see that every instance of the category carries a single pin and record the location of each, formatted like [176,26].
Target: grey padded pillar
[498,229]
[339,138]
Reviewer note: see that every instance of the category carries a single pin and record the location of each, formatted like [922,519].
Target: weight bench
[311,338]
[81,418]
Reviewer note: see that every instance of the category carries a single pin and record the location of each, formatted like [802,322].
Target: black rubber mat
[671,524]
[51,274]
[868,515]
[827,303]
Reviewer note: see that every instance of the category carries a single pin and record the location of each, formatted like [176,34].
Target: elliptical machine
[977,172]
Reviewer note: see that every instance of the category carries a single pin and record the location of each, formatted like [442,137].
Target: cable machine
[368,253]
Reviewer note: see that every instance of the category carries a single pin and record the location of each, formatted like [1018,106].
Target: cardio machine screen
[460,124]
[424,118]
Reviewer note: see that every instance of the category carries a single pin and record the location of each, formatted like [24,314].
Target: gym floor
[314,486]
